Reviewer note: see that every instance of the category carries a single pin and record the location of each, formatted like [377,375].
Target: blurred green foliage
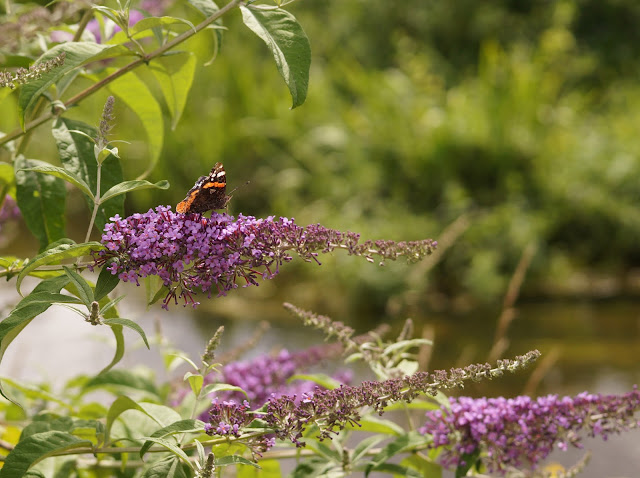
[520,115]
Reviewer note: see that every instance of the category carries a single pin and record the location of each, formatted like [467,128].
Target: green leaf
[106,283]
[47,421]
[221,387]
[171,446]
[175,76]
[426,468]
[37,447]
[134,185]
[398,470]
[401,444]
[163,416]
[154,290]
[320,379]
[123,380]
[235,460]
[153,22]
[135,93]
[130,324]
[26,310]
[62,174]
[169,467]
[469,460]
[208,8]
[374,424]
[181,426]
[41,199]
[77,156]
[119,352]
[33,393]
[364,446]
[105,309]
[269,468]
[195,381]
[7,180]
[84,289]
[63,249]
[77,54]
[288,43]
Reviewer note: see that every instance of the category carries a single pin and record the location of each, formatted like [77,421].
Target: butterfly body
[209,192]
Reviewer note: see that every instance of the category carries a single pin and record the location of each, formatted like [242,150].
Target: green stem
[96,203]
[84,21]
[12,271]
[125,69]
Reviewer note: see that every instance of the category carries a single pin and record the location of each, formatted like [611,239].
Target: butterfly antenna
[238,187]
[226,206]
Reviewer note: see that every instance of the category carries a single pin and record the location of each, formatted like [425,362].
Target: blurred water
[597,346]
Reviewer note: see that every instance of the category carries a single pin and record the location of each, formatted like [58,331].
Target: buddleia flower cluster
[516,433]
[288,416]
[192,253]
[24,75]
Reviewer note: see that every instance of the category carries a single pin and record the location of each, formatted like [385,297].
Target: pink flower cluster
[190,252]
[522,431]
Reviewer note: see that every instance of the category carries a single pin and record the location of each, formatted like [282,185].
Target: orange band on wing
[213,185]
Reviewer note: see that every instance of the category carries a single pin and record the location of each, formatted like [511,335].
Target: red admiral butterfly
[209,192]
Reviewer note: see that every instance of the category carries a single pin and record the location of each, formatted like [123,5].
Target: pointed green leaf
[163,416]
[153,22]
[34,393]
[221,387]
[288,43]
[175,76]
[398,470]
[62,174]
[181,426]
[235,460]
[401,444]
[468,461]
[130,324]
[135,93]
[7,179]
[123,380]
[119,352]
[134,185]
[171,446]
[364,446]
[26,310]
[375,424]
[37,447]
[85,293]
[77,156]
[170,467]
[208,8]
[154,289]
[195,381]
[63,249]
[106,308]
[77,54]
[41,199]
[423,465]
[106,283]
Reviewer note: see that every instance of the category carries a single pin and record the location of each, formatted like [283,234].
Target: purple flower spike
[520,432]
[190,252]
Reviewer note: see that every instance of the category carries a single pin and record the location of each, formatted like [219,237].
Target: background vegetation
[522,116]
[516,119]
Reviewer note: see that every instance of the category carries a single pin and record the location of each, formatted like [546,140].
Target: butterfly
[209,192]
